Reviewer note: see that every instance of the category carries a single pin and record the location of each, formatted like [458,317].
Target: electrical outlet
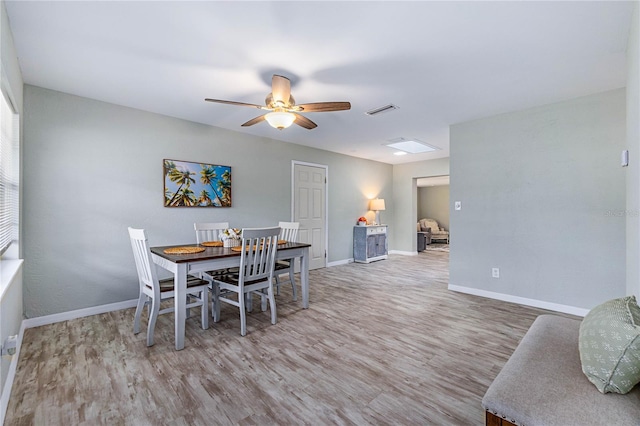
[495,272]
[457,205]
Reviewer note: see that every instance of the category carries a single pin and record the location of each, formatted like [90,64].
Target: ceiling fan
[284,111]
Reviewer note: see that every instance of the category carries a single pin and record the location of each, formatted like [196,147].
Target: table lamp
[376,205]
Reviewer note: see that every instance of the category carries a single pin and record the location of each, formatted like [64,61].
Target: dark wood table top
[211,252]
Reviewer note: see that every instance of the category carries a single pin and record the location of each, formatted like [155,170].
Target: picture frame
[192,184]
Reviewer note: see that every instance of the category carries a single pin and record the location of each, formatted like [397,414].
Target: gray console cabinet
[369,243]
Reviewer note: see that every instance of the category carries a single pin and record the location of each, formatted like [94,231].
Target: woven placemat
[184,250]
[239,248]
[212,244]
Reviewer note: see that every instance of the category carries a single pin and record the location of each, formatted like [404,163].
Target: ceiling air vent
[380,110]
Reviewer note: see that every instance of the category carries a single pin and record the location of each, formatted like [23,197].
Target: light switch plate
[458,205]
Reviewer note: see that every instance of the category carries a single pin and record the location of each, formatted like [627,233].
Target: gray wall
[433,203]
[541,194]
[633,145]
[91,169]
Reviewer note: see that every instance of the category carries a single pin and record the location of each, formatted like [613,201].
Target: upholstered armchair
[437,232]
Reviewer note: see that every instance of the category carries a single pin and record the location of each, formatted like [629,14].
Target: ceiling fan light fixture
[280,119]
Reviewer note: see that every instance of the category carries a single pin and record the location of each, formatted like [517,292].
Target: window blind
[9,172]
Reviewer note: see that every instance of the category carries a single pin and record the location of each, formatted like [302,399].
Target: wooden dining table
[213,258]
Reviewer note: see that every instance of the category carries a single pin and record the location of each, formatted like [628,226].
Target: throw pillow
[609,344]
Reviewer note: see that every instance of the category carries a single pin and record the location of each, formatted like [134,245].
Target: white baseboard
[64,316]
[339,262]
[404,253]
[580,312]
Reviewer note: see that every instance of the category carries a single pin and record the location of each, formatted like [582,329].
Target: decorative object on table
[184,250]
[284,111]
[188,184]
[231,237]
[362,221]
[377,205]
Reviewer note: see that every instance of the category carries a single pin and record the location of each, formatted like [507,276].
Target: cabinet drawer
[375,230]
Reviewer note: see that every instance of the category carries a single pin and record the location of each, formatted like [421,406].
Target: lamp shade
[376,205]
[280,120]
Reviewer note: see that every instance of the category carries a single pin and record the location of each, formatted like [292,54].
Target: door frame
[326,200]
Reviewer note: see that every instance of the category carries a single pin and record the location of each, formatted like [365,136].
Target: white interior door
[310,209]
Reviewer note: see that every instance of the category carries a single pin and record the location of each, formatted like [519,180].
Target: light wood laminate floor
[381,343]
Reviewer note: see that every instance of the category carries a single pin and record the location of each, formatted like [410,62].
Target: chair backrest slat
[289,231]
[209,231]
[257,262]
[144,264]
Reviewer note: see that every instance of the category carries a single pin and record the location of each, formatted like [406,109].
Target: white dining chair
[288,232]
[153,291]
[255,276]
[209,231]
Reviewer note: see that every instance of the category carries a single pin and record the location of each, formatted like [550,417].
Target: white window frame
[9,172]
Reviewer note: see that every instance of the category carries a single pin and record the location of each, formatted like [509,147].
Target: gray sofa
[542,383]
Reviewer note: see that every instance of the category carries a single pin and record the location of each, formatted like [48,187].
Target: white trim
[326,200]
[581,312]
[340,262]
[404,253]
[11,374]
[86,312]
[9,270]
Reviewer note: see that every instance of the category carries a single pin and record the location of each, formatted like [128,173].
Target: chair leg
[204,309]
[263,301]
[215,302]
[292,277]
[136,318]
[155,308]
[277,284]
[249,302]
[272,305]
[243,314]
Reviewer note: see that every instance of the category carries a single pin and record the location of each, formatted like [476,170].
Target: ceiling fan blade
[219,101]
[303,121]
[324,106]
[280,89]
[254,121]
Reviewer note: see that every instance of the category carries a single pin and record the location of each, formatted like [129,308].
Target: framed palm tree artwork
[188,184]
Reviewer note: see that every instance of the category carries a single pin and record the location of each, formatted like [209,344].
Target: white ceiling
[440,62]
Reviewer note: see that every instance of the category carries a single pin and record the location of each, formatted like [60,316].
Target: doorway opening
[432,211]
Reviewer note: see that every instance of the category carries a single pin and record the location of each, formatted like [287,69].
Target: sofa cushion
[609,345]
[542,383]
